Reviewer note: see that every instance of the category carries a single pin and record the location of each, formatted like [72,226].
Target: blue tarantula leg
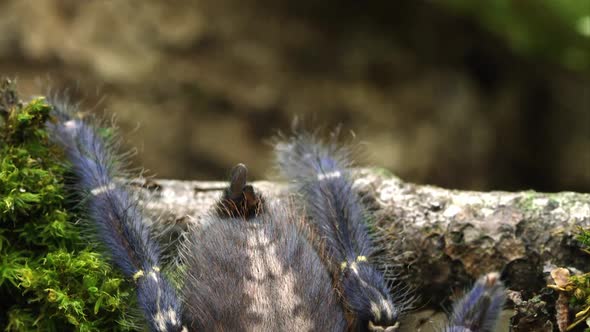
[239,199]
[118,220]
[479,310]
[321,173]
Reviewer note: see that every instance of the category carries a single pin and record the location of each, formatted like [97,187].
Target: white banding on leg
[329,175]
[102,189]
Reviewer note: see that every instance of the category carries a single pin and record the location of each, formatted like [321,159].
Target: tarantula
[257,264]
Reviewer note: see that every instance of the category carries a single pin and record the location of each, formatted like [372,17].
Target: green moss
[50,280]
[579,286]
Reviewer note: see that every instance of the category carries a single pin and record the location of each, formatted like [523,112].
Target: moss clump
[50,280]
[584,238]
[575,288]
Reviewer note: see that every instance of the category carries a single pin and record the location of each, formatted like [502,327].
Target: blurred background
[457,93]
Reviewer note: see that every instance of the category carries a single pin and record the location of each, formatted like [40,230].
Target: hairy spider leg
[320,171]
[479,310]
[116,215]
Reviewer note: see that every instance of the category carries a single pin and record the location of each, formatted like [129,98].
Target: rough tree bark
[437,240]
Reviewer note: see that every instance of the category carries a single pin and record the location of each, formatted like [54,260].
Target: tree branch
[437,240]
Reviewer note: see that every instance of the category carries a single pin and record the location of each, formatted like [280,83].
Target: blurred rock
[435,97]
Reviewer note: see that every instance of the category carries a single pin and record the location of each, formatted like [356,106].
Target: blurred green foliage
[550,30]
[50,280]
